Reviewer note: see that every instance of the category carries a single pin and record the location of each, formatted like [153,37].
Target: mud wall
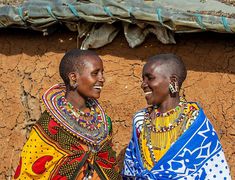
[29,65]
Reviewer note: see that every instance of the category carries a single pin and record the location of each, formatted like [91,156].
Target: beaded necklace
[88,123]
[159,117]
[89,120]
[161,129]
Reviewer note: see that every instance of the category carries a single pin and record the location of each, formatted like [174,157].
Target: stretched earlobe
[73,81]
[74,85]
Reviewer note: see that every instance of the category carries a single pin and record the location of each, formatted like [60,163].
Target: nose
[144,84]
[101,78]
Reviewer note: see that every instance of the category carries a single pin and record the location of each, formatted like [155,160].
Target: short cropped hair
[174,64]
[73,61]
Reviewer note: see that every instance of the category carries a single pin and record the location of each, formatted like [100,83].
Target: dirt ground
[29,65]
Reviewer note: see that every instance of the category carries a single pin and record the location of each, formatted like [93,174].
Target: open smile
[148,93]
[98,87]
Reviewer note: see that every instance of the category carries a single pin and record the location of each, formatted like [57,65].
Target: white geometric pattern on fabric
[197,155]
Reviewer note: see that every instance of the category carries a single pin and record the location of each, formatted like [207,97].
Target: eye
[95,73]
[150,78]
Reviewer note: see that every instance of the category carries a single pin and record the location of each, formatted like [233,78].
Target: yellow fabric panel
[148,164]
[37,147]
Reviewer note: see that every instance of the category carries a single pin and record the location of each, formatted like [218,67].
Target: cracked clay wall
[29,65]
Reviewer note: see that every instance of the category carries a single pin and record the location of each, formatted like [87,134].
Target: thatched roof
[228,2]
[100,20]
[11,2]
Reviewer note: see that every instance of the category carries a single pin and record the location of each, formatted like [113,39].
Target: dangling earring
[173,87]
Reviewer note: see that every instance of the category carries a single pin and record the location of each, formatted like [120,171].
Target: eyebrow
[98,69]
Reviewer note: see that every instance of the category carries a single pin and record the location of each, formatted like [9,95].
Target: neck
[76,100]
[169,104]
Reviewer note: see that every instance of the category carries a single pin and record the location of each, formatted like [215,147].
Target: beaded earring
[173,87]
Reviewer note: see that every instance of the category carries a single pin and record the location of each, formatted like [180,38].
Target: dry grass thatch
[11,2]
[228,2]
[18,2]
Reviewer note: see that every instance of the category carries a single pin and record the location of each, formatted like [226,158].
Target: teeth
[147,93]
[98,87]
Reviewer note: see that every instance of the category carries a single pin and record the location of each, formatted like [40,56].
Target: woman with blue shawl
[172,138]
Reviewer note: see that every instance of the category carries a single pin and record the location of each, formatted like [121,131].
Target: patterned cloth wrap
[196,155]
[56,149]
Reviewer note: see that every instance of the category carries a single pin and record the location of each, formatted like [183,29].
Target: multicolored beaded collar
[93,132]
[90,120]
[154,109]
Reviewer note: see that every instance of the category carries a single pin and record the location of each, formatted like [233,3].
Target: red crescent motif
[77,159]
[18,169]
[104,165]
[104,155]
[51,126]
[77,147]
[38,166]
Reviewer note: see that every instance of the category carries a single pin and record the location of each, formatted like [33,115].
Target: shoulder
[140,113]
[45,116]
[193,108]
[194,113]
[194,104]
[138,119]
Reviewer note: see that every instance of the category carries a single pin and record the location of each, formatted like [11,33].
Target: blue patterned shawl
[197,154]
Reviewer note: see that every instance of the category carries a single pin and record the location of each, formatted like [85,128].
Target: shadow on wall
[204,52]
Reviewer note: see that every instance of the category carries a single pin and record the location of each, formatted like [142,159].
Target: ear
[174,84]
[174,78]
[73,77]
[73,80]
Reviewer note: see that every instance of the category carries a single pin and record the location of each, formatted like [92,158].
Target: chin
[96,96]
[149,102]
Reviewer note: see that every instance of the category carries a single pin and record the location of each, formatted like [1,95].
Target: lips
[98,87]
[147,91]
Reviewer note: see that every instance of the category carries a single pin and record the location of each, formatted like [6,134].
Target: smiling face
[155,83]
[91,79]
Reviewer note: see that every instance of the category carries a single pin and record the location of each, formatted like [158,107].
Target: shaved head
[170,65]
[74,61]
